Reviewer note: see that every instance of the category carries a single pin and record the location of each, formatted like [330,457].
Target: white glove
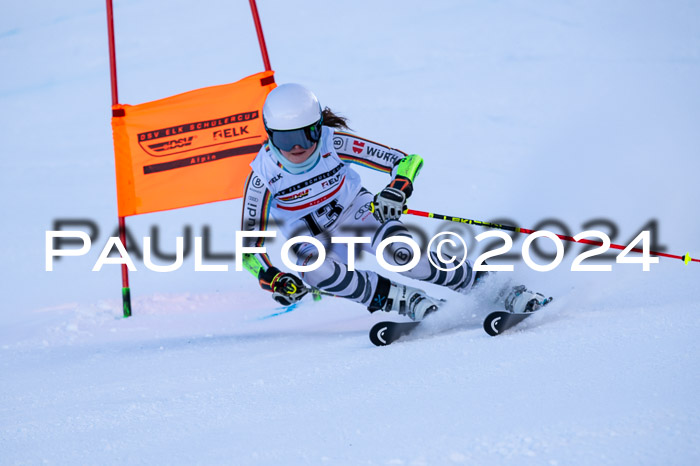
[389,204]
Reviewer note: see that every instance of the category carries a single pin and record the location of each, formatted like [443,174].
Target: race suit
[329,200]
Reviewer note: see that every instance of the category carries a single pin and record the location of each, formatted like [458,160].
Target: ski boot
[406,300]
[521,301]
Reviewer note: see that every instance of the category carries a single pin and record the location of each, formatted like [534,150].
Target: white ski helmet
[292,116]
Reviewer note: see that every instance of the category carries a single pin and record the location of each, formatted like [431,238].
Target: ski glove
[286,288]
[390,203]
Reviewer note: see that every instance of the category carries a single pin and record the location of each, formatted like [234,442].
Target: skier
[302,178]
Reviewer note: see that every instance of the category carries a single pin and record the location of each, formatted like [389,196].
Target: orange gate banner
[188,149]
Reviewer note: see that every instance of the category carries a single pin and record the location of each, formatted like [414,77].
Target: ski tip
[491,326]
[377,335]
[385,333]
[496,322]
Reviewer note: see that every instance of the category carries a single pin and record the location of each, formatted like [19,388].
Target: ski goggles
[287,139]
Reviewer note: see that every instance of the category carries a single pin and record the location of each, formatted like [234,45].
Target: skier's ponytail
[333,120]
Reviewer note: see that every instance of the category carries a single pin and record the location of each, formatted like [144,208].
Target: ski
[385,333]
[499,321]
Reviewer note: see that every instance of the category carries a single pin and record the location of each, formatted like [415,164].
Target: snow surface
[523,110]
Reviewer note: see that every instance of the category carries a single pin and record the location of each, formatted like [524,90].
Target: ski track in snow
[521,111]
[190,380]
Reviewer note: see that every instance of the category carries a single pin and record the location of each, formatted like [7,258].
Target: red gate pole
[261,36]
[126,293]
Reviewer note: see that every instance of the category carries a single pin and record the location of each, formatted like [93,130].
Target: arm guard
[406,171]
[409,167]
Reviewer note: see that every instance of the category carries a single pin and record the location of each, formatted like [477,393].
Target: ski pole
[317,294]
[686,258]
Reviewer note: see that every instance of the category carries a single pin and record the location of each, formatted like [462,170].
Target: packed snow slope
[581,114]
